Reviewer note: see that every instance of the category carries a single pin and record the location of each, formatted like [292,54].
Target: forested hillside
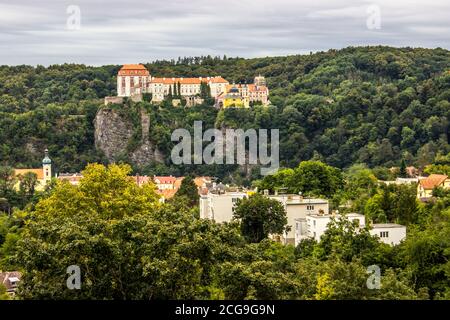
[375,105]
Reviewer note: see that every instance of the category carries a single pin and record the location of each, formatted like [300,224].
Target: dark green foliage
[260,216]
[188,190]
[370,105]
[312,178]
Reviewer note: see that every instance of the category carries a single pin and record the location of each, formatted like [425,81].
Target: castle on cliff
[133,80]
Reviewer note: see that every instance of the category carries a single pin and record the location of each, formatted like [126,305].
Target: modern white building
[389,233]
[219,207]
[298,207]
[315,225]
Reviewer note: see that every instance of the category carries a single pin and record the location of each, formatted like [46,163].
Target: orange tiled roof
[167,194]
[432,181]
[22,172]
[177,183]
[133,70]
[133,67]
[218,80]
[201,181]
[189,80]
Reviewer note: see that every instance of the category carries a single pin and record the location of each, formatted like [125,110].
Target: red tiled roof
[164,180]
[432,181]
[133,70]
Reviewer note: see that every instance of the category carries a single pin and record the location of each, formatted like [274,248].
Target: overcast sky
[131,31]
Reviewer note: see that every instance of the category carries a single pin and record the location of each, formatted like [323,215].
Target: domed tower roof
[46,159]
[234,89]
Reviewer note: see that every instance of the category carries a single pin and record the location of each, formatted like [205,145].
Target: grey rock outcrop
[113,133]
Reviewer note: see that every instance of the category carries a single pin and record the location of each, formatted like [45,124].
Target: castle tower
[260,81]
[47,167]
[132,79]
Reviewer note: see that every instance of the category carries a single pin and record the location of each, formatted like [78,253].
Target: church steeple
[47,167]
[46,159]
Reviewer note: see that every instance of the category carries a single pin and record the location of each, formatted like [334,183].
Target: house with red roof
[426,186]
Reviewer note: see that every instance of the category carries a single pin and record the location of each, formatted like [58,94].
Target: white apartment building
[315,225]
[298,207]
[219,207]
[389,233]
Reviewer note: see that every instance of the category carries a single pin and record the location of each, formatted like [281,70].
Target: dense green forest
[128,245]
[373,105]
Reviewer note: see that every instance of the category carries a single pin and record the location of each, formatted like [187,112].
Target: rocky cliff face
[114,133]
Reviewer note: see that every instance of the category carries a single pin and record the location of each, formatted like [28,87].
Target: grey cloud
[34,32]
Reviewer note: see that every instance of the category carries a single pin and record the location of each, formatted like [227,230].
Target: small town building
[389,233]
[10,281]
[244,95]
[426,186]
[72,178]
[219,206]
[43,175]
[315,225]
[165,182]
[299,207]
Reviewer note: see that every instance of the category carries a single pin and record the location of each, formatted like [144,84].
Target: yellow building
[233,99]
[43,175]
[426,186]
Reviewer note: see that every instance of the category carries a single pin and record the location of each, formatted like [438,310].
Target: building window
[314,223]
[384,234]
[309,207]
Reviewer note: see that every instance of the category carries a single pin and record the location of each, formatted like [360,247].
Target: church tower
[47,167]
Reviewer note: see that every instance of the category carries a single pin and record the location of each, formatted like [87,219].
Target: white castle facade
[135,79]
